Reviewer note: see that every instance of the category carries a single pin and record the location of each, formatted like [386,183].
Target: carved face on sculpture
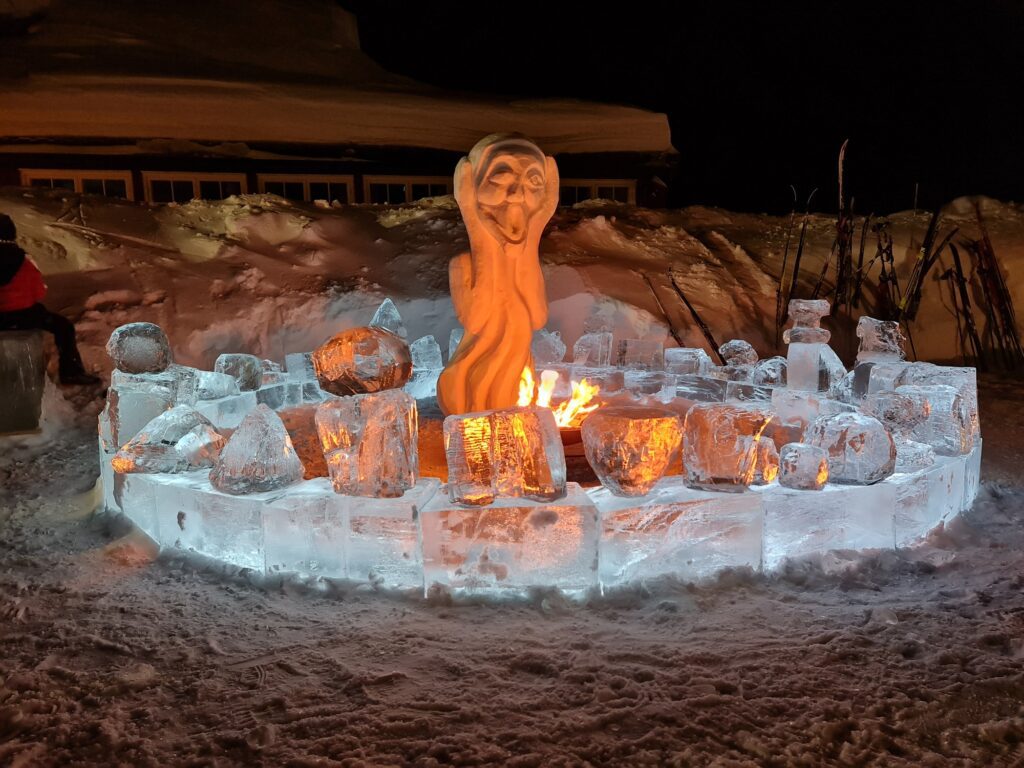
[510,187]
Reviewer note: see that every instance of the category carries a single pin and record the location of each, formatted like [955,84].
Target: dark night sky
[759,95]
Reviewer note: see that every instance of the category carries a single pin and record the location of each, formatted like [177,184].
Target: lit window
[107,183]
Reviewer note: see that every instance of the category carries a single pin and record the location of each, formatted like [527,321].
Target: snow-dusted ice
[515,452]
[178,440]
[245,369]
[593,350]
[676,531]
[631,447]
[511,545]
[860,450]
[360,360]
[23,373]
[139,348]
[388,318]
[369,442]
[547,347]
[258,457]
[803,467]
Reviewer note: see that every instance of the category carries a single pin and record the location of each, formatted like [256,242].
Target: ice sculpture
[547,347]
[178,440]
[362,360]
[259,456]
[23,373]
[860,450]
[740,358]
[806,315]
[139,348]
[901,415]
[245,369]
[963,380]
[513,452]
[630,447]
[880,340]
[803,467]
[687,360]
[593,350]
[387,317]
[507,191]
[211,385]
[720,445]
[369,442]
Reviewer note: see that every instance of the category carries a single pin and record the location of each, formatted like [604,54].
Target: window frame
[148,177]
[408,182]
[593,184]
[306,179]
[28,175]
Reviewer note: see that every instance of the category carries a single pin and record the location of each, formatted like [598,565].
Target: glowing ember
[568,414]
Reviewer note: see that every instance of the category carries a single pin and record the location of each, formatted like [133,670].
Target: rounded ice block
[630,447]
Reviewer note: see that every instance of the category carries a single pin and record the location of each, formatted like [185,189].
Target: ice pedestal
[804,523]
[676,531]
[305,531]
[511,546]
[383,537]
[803,370]
[927,497]
[23,373]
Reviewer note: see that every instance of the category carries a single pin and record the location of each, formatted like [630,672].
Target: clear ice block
[880,340]
[454,339]
[211,385]
[547,347]
[649,382]
[426,354]
[23,373]
[306,530]
[947,424]
[803,467]
[701,389]
[770,373]
[641,354]
[803,369]
[129,408]
[515,452]
[362,360]
[387,317]
[926,498]
[139,348]
[178,440]
[593,350]
[676,531]
[274,396]
[511,546]
[259,457]
[370,443]
[608,380]
[228,412]
[720,445]
[738,352]
[631,447]
[746,392]
[860,450]
[687,360]
[963,379]
[245,369]
[383,537]
[799,524]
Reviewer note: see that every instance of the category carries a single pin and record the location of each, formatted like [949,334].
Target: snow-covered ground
[113,654]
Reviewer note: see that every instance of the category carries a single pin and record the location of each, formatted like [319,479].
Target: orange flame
[567,414]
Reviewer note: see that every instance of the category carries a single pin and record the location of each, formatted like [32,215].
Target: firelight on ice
[568,414]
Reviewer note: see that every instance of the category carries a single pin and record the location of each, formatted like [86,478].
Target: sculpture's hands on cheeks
[475,279]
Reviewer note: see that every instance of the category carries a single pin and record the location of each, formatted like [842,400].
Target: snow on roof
[275,71]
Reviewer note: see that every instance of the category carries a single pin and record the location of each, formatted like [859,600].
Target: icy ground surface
[110,654]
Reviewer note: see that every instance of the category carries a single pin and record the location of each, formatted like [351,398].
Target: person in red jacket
[21,295]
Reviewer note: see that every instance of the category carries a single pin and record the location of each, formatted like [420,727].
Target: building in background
[165,103]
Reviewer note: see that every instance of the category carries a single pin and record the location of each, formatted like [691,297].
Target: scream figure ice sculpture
[507,190]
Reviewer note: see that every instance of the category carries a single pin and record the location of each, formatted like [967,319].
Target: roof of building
[275,71]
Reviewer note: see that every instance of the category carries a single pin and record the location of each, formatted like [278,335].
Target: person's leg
[69,364]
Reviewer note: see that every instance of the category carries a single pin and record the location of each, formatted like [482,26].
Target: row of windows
[177,187]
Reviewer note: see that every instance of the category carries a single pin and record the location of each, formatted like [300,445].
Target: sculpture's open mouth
[510,221]
[568,414]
